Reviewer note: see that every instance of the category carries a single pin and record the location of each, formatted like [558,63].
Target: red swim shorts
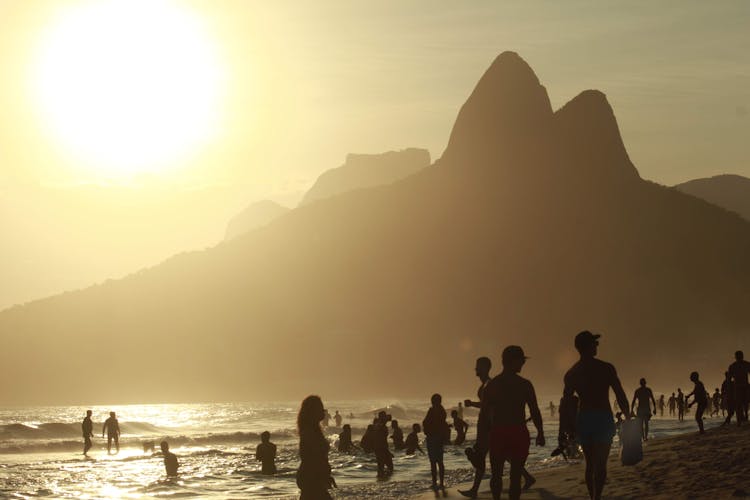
[510,442]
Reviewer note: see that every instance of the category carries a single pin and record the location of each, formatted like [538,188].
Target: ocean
[41,451]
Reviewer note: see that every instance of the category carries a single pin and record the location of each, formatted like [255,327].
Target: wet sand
[715,465]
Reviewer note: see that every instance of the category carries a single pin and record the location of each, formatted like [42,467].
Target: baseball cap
[513,352]
[585,338]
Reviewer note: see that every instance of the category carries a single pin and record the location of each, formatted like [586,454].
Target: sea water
[41,451]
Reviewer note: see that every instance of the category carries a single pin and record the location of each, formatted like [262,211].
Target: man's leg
[441,468]
[516,469]
[588,454]
[645,428]
[600,456]
[117,443]
[109,444]
[699,417]
[496,481]
[480,464]
[433,471]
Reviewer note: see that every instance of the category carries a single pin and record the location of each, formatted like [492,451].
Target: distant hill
[367,170]
[533,225]
[731,192]
[256,215]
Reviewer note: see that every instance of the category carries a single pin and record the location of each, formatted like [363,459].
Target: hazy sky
[258,98]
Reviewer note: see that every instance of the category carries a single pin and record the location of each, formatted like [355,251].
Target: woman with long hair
[314,473]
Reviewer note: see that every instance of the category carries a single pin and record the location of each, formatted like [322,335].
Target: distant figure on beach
[680,405]
[368,438]
[552,409]
[478,454]
[672,403]
[87,427]
[435,428]
[327,419]
[644,396]
[314,474]
[727,397]
[112,426]
[591,379]
[661,405]
[412,440]
[739,371]
[383,455]
[461,427]
[171,464]
[337,418]
[265,453]
[397,436]
[700,396]
[716,403]
[460,410]
[504,414]
[345,440]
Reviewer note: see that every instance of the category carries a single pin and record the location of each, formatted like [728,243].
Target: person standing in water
[266,454]
[112,426]
[87,427]
[412,440]
[661,406]
[337,418]
[435,428]
[727,395]
[460,410]
[504,416]
[716,402]
[739,371]
[314,474]
[680,405]
[644,396]
[397,436]
[461,427]
[345,439]
[700,397]
[171,464]
[478,454]
[383,455]
[672,403]
[591,379]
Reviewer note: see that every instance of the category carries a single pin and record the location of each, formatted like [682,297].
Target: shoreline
[713,465]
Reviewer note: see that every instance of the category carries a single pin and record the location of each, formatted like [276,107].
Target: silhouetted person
[461,427]
[478,454]
[551,409]
[266,454]
[644,396]
[700,397]
[591,379]
[171,464]
[337,418]
[661,405]
[327,419]
[412,440]
[345,439]
[716,402]
[727,392]
[672,403]
[314,474]
[397,436]
[738,371]
[460,410]
[680,405]
[504,415]
[380,445]
[112,426]
[367,443]
[435,428]
[87,427]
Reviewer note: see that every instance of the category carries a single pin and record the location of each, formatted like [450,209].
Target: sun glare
[128,86]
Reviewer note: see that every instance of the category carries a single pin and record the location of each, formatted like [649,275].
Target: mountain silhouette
[256,215]
[367,170]
[533,225]
[731,192]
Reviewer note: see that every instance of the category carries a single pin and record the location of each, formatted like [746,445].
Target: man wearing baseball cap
[591,379]
[504,414]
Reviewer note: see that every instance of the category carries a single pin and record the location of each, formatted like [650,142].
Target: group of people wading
[585,416]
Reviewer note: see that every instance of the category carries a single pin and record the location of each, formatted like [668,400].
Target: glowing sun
[128,86]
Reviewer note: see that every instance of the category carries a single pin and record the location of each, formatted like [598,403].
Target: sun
[128,86]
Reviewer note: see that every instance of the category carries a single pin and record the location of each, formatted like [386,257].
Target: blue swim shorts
[594,427]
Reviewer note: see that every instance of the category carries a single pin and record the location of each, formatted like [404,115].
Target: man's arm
[651,393]
[536,415]
[635,397]
[468,403]
[622,399]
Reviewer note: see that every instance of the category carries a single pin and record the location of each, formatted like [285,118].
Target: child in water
[461,427]
[412,440]
[266,454]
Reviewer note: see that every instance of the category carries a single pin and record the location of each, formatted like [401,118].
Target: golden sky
[133,130]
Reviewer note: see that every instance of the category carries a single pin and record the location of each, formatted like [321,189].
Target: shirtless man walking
[644,396]
[112,426]
[738,373]
[478,455]
[504,415]
[591,379]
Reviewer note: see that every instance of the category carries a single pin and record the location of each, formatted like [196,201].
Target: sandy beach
[715,465]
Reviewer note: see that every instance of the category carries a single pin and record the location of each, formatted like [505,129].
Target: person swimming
[397,436]
[412,441]
[171,464]
[266,454]
[112,426]
[345,440]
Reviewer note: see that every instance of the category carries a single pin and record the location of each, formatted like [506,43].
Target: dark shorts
[509,442]
[644,413]
[435,448]
[594,427]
